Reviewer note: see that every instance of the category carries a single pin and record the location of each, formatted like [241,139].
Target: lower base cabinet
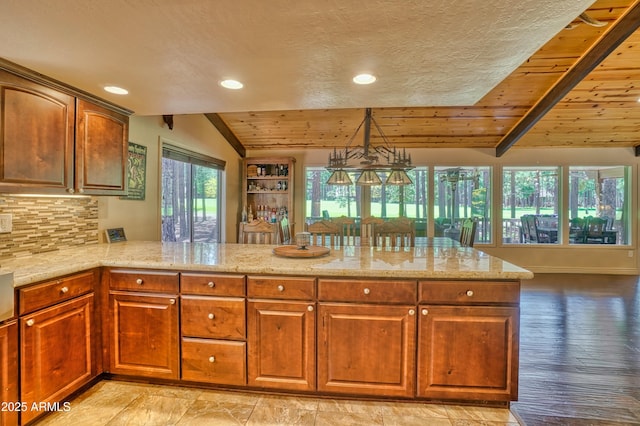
[281,339]
[366,349]
[57,353]
[9,374]
[468,353]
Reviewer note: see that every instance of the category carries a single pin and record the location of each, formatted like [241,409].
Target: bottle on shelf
[244,214]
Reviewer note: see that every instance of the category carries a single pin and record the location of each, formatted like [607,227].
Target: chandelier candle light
[372,159]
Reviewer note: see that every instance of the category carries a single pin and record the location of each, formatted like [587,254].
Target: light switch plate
[6,222]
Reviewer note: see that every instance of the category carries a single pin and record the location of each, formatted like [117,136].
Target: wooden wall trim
[226,132]
[626,25]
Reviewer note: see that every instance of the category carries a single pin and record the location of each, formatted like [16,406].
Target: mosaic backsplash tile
[42,224]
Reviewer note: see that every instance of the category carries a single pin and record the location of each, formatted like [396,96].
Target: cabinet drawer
[367,291]
[155,281]
[281,287]
[214,361]
[212,285]
[213,317]
[51,292]
[469,292]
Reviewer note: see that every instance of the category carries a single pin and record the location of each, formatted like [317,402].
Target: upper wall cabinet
[57,141]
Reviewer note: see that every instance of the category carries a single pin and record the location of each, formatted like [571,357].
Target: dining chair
[258,232]
[595,230]
[397,232]
[285,231]
[577,230]
[367,230]
[325,233]
[347,227]
[468,232]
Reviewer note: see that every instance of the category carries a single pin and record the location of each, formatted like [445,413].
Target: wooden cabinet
[468,340]
[267,184]
[57,352]
[9,374]
[214,347]
[144,333]
[53,141]
[281,314]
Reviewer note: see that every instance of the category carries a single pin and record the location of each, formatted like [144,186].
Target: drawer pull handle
[469,293]
[425,312]
[139,281]
[211,284]
[280,287]
[212,359]
[367,291]
[172,301]
[211,316]
[412,312]
[310,308]
[64,290]
[30,322]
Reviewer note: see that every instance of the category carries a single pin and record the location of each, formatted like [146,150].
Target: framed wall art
[136,172]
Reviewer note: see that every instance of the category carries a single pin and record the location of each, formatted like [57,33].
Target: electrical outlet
[6,223]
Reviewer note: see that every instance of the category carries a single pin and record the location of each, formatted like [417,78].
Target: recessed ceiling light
[364,79]
[231,84]
[116,90]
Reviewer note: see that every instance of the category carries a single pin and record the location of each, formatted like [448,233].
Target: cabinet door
[144,335]
[468,353]
[367,349]
[281,342]
[9,373]
[57,352]
[101,149]
[36,137]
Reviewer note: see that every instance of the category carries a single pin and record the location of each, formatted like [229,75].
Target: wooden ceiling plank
[610,40]
[226,133]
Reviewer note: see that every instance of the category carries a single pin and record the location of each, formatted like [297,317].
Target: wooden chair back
[347,227]
[285,231]
[398,232]
[367,230]
[325,233]
[258,232]
[468,233]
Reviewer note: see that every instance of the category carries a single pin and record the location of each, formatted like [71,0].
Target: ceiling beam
[626,25]
[226,133]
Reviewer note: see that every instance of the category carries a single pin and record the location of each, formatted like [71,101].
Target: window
[460,193]
[530,205]
[355,201]
[191,202]
[599,205]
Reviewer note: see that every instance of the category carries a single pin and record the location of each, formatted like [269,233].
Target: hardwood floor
[579,350]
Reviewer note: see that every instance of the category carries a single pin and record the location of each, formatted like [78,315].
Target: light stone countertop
[439,259]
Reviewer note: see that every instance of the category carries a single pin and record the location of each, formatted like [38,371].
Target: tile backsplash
[42,224]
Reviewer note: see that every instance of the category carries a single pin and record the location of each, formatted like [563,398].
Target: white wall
[141,219]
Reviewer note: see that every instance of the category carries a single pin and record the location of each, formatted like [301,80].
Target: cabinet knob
[469,293]
[211,284]
[280,287]
[70,190]
[425,312]
[212,359]
[172,301]
[310,308]
[30,322]
[211,316]
[412,312]
[64,290]
[81,190]
[367,291]
[139,281]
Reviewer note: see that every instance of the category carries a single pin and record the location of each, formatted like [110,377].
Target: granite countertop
[440,259]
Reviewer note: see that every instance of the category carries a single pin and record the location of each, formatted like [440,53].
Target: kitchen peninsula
[438,322]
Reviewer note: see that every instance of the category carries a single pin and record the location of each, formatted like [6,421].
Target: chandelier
[369,160]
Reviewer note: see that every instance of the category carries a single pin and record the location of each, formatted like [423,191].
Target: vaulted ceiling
[464,74]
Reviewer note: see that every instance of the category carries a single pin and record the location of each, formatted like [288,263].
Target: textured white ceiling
[298,54]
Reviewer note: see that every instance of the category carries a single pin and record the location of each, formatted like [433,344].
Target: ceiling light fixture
[369,160]
[231,84]
[364,79]
[116,90]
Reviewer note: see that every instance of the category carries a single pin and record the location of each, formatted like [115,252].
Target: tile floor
[122,403]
